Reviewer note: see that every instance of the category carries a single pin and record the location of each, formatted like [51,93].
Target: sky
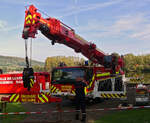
[121,26]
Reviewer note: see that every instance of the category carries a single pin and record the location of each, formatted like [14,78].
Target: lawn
[128,116]
[13,107]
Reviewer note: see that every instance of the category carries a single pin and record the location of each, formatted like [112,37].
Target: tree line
[52,62]
[139,63]
[133,63]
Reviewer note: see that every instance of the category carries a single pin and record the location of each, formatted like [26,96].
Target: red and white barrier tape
[66,111]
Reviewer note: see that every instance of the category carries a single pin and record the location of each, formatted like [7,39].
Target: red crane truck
[105,78]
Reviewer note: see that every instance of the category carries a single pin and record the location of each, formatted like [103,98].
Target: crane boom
[58,32]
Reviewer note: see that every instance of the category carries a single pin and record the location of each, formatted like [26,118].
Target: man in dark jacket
[80,98]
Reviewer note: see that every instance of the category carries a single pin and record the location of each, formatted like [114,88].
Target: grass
[128,116]
[13,107]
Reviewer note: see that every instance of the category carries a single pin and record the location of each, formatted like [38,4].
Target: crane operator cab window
[66,75]
[107,61]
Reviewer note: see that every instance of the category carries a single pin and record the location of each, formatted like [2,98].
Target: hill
[8,63]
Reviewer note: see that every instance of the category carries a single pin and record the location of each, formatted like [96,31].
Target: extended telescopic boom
[58,32]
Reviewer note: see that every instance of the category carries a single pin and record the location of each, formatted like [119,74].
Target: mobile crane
[105,79]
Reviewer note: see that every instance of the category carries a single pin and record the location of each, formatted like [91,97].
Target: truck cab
[63,78]
[100,82]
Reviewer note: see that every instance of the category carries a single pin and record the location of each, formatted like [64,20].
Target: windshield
[66,75]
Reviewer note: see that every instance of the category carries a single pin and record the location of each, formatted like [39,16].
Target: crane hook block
[28,78]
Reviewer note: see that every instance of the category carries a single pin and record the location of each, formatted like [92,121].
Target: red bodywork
[58,32]
[90,84]
[13,83]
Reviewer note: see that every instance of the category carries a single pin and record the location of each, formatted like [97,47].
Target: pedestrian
[80,85]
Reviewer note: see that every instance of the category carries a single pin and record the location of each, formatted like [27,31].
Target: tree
[52,62]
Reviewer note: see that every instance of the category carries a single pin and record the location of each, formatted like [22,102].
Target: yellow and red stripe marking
[38,97]
[54,89]
[14,98]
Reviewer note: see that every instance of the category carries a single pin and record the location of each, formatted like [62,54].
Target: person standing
[80,85]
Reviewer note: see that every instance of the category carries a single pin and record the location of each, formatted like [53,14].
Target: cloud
[29,2]
[126,23]
[3,24]
[17,2]
[83,8]
[131,26]
[124,34]
[143,32]
[12,28]
[4,27]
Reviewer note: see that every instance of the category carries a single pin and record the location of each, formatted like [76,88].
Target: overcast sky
[121,26]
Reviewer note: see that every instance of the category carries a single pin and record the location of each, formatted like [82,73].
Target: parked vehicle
[141,95]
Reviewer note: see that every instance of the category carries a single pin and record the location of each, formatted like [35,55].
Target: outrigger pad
[28,75]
